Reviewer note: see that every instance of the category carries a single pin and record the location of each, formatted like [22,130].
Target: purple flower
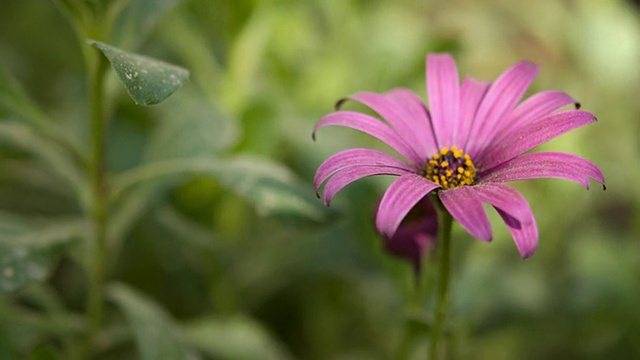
[416,235]
[473,138]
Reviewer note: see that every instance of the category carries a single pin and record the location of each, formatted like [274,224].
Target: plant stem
[95,307]
[443,282]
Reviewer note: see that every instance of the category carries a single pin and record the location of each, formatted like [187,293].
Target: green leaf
[148,81]
[27,255]
[270,187]
[49,154]
[15,100]
[246,56]
[157,336]
[234,339]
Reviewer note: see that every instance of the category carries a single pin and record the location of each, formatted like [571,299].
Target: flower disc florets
[450,168]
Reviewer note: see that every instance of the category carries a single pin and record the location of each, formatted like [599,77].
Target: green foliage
[27,254]
[234,339]
[156,334]
[148,81]
[215,244]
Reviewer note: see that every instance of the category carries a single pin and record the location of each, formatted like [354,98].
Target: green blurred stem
[443,282]
[97,67]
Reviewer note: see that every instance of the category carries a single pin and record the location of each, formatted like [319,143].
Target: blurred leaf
[157,336]
[44,352]
[148,81]
[234,339]
[270,187]
[192,46]
[247,56]
[56,160]
[16,101]
[191,126]
[127,210]
[27,255]
[139,18]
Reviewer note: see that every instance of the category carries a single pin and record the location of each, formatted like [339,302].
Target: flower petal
[416,109]
[372,126]
[546,165]
[471,94]
[504,198]
[416,235]
[535,107]
[347,176]
[534,134]
[525,234]
[410,123]
[443,89]
[500,99]
[465,205]
[355,157]
[399,198]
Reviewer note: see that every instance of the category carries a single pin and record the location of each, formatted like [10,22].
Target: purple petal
[516,213]
[525,234]
[500,99]
[535,107]
[504,198]
[347,176]
[546,165]
[443,89]
[416,235]
[534,134]
[372,126]
[465,205]
[471,94]
[355,157]
[416,110]
[399,198]
[410,123]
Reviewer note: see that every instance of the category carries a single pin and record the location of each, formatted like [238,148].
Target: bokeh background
[240,279]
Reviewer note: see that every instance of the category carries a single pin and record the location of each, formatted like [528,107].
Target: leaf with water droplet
[148,81]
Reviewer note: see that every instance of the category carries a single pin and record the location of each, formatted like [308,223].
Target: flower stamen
[450,168]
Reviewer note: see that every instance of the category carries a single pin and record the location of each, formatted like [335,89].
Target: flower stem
[443,282]
[98,212]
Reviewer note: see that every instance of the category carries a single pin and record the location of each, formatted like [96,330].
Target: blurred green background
[240,272]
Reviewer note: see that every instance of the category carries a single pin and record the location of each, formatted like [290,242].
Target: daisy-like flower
[471,140]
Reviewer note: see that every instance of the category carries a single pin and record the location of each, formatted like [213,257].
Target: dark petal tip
[313,136]
[340,102]
[577,105]
[604,187]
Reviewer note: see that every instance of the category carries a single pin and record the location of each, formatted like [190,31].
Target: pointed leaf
[148,81]
[157,336]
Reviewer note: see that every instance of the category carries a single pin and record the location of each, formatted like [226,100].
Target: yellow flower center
[450,168]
